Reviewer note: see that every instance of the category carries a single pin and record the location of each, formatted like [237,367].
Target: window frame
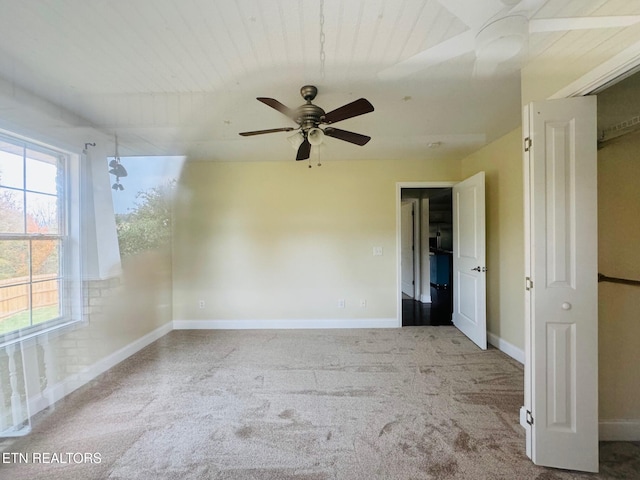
[67,238]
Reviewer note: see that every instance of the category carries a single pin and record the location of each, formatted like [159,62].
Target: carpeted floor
[393,404]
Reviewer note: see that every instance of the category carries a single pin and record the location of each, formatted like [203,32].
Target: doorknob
[477,269]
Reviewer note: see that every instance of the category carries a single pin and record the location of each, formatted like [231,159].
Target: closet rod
[625,281]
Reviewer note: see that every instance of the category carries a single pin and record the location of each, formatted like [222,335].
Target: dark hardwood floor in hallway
[438,312]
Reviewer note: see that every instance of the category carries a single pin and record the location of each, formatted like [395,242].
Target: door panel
[561,298]
[469,264]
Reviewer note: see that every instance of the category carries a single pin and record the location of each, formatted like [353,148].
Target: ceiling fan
[498,33]
[309,117]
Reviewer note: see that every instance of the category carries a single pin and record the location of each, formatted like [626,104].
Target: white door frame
[399,187]
[613,69]
[415,243]
[594,81]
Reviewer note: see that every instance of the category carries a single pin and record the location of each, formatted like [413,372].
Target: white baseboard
[425,298]
[269,324]
[61,389]
[523,417]
[506,347]
[619,430]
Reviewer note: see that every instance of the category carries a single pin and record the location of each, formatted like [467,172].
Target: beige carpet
[412,403]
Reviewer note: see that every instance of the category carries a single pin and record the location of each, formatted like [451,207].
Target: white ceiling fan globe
[315,136]
[500,41]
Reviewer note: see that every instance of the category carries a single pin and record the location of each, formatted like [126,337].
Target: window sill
[60,326]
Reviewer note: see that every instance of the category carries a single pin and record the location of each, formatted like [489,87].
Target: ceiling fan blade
[473,13]
[538,25]
[350,137]
[271,130]
[443,51]
[531,7]
[273,103]
[350,110]
[304,151]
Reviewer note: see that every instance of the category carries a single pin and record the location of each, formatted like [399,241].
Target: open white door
[469,267]
[561,292]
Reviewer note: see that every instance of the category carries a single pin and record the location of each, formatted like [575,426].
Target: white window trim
[72,313]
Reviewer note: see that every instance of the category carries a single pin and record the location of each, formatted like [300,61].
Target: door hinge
[529,418]
[528,283]
[527,144]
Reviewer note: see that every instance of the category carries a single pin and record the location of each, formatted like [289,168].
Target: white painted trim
[270,324]
[619,431]
[612,70]
[399,187]
[61,389]
[523,417]
[425,298]
[506,347]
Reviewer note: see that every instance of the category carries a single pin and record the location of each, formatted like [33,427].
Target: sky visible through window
[144,173]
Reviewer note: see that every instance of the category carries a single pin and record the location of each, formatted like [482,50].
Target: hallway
[438,312]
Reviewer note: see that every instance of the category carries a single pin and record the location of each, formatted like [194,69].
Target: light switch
[377,251]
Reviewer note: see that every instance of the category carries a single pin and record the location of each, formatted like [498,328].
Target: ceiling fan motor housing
[308,115]
[502,39]
[309,92]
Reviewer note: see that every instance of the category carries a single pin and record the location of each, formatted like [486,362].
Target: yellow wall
[502,163]
[277,240]
[618,240]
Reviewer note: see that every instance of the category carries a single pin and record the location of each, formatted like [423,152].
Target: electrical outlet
[201,304]
[341,303]
[377,251]
[363,303]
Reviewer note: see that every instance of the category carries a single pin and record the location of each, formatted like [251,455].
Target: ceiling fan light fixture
[296,140]
[315,136]
[502,39]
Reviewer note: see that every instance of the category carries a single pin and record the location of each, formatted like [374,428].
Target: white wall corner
[619,430]
[506,347]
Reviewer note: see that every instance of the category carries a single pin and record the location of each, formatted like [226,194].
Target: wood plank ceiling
[181,76]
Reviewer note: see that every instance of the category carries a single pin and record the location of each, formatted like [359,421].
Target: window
[35,254]
[142,203]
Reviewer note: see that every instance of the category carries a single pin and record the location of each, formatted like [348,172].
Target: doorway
[426,255]
[467,278]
